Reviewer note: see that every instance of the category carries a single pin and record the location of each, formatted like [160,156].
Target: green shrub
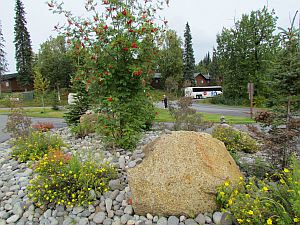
[264,201]
[62,179]
[185,117]
[35,145]
[235,140]
[220,99]
[18,124]
[87,125]
[121,123]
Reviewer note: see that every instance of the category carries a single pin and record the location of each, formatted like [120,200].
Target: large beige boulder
[180,173]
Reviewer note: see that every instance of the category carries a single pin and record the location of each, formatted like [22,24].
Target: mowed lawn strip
[163,115]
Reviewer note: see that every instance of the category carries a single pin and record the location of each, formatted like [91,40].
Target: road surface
[216,109]
[57,122]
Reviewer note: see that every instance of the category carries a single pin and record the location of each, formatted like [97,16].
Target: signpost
[250,92]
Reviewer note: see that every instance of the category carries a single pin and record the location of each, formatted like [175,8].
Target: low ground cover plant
[274,200]
[35,145]
[235,140]
[62,179]
[43,126]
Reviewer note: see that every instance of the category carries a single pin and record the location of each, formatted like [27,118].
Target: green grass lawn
[162,116]
[39,112]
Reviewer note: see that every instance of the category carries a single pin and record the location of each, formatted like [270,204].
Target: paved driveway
[216,109]
[57,122]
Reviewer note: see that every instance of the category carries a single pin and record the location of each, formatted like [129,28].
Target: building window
[202,81]
[6,84]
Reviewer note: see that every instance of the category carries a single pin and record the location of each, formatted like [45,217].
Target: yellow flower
[282,181]
[286,170]
[241,178]
[269,221]
[46,186]
[230,202]
[60,163]
[240,220]
[222,193]
[296,220]
[226,183]
[265,189]
[250,212]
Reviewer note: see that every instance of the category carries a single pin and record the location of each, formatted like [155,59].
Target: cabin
[202,79]
[9,83]
[156,81]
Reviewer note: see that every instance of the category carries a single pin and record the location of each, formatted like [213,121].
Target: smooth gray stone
[99,217]
[173,220]
[200,219]
[190,222]
[162,221]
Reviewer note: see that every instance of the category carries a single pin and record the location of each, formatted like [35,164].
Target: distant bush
[64,180]
[185,117]
[220,99]
[35,145]
[235,140]
[18,124]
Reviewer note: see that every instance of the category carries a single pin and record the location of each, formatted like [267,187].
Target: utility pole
[250,92]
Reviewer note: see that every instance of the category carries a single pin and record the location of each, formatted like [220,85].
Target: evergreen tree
[286,73]
[23,46]
[188,55]
[204,64]
[3,63]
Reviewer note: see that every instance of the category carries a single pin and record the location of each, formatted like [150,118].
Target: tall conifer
[188,55]
[23,46]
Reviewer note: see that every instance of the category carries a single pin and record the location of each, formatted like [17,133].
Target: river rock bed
[113,208]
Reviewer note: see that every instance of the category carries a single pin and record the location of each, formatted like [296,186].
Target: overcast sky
[205,17]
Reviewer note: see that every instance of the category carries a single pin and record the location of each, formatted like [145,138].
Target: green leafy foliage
[18,124]
[56,62]
[41,85]
[62,179]
[82,102]
[116,54]
[170,59]
[264,201]
[235,140]
[35,145]
[87,125]
[245,52]
[187,118]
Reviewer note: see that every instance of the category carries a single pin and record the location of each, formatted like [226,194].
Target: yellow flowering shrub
[35,145]
[265,201]
[62,179]
[235,140]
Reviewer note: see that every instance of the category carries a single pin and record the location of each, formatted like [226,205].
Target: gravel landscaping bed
[111,208]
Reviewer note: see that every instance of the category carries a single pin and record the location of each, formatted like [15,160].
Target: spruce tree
[188,55]
[22,42]
[3,63]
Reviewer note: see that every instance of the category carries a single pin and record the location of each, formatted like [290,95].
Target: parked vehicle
[203,92]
